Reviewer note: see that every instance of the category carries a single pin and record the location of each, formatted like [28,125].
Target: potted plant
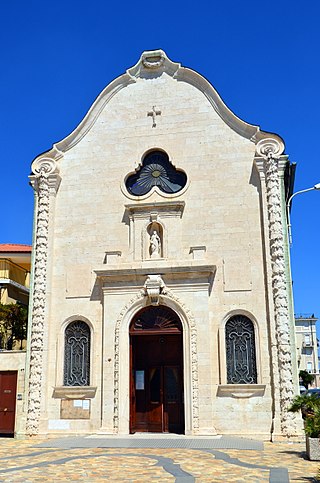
[309,405]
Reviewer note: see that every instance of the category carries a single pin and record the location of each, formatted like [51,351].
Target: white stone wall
[222,212]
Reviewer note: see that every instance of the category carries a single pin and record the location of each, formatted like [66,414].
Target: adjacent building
[307,345]
[15,266]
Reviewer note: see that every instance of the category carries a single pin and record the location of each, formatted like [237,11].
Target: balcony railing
[307,344]
[12,271]
[305,316]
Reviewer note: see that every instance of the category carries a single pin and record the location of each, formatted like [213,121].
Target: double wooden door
[156,383]
[8,387]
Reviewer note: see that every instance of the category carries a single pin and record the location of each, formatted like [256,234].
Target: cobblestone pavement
[26,461]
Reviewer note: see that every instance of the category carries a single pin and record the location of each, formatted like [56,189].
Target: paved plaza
[138,459]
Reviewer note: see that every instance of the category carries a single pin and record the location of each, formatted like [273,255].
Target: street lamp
[315,187]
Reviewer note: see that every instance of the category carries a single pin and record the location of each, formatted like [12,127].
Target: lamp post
[315,187]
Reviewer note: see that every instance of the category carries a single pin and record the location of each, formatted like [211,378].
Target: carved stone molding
[74,392]
[153,60]
[140,295]
[194,358]
[153,64]
[39,303]
[241,391]
[270,150]
[153,286]
[44,167]
[45,181]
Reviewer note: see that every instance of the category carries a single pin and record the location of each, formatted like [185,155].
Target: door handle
[5,409]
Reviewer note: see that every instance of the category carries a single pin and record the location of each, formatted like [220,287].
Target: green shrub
[309,405]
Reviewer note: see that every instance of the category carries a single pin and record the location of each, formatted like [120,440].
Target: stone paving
[31,461]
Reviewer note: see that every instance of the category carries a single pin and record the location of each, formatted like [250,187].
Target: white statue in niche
[155,245]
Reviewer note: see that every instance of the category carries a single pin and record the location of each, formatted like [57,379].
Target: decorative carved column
[44,180]
[271,149]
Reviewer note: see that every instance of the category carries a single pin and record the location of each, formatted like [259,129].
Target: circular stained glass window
[156,170]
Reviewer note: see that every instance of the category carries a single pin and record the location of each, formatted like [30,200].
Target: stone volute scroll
[44,167]
[270,150]
[154,285]
[45,181]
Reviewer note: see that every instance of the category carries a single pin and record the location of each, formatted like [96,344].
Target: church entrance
[156,372]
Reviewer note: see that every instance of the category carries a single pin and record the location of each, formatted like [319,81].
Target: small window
[77,354]
[240,351]
[156,170]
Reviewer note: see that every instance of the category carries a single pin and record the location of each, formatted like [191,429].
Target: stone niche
[158,220]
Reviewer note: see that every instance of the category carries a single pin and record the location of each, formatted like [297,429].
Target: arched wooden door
[156,371]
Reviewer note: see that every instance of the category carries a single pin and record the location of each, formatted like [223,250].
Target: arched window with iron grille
[77,354]
[240,351]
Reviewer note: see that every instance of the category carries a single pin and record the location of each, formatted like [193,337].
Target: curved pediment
[152,65]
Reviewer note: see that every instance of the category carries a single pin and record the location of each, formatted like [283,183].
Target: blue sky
[262,57]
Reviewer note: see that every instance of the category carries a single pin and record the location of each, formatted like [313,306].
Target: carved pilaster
[139,295]
[45,179]
[270,150]
[194,359]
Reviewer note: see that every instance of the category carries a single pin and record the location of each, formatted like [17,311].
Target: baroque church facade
[161,298]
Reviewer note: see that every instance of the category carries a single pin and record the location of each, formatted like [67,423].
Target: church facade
[161,297]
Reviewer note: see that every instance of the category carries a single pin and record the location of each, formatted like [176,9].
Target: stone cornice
[45,167]
[241,391]
[165,208]
[133,275]
[148,269]
[74,392]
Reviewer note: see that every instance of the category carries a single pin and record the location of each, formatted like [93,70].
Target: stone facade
[213,250]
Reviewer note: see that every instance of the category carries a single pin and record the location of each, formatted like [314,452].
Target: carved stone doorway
[156,371]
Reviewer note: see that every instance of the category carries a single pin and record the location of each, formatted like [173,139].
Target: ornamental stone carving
[153,60]
[270,147]
[154,286]
[270,150]
[138,296]
[194,356]
[42,169]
